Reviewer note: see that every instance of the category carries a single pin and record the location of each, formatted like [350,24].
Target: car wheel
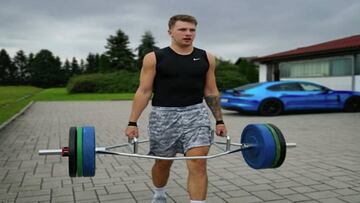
[352,104]
[270,107]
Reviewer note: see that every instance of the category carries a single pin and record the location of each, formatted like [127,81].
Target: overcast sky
[227,28]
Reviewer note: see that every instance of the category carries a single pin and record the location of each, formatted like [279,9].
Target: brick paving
[325,167]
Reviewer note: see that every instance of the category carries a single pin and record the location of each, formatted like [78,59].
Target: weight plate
[79,151]
[282,144]
[277,145]
[262,155]
[89,151]
[72,151]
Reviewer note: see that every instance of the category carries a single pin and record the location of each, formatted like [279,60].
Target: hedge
[118,82]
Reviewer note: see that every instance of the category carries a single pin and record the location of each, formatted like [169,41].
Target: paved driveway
[325,167]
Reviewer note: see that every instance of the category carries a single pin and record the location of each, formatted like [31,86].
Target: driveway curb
[2,126]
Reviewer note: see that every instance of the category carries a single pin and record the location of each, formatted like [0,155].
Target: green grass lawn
[15,98]
[60,94]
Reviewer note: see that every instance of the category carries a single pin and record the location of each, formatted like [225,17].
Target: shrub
[117,82]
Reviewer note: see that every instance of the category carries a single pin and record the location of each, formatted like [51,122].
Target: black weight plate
[282,144]
[72,151]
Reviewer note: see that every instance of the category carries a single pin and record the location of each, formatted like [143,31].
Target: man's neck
[182,50]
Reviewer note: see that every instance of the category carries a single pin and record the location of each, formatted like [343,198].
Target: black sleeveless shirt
[179,79]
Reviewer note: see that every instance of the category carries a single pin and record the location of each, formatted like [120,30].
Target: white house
[335,64]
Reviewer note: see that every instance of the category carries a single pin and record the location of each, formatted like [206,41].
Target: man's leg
[197,179]
[160,172]
[160,175]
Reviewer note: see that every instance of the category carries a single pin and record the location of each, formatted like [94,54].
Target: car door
[318,97]
[297,98]
[292,95]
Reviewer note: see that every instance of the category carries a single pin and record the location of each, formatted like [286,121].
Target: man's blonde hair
[182,17]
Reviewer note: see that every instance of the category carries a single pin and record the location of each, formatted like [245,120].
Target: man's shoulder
[208,54]
[202,51]
[199,49]
[160,53]
[162,50]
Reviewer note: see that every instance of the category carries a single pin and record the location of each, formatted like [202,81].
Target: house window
[341,66]
[336,66]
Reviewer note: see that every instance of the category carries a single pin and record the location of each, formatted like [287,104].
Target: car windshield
[246,87]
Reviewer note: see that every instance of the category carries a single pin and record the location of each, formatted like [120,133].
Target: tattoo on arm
[213,103]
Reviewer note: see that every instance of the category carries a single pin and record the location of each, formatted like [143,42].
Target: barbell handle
[243,146]
[135,142]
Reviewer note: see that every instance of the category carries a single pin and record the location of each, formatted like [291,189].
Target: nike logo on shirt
[196,59]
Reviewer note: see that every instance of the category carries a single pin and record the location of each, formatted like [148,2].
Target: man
[179,77]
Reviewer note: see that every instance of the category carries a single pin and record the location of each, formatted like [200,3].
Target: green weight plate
[72,151]
[277,145]
[79,152]
[282,144]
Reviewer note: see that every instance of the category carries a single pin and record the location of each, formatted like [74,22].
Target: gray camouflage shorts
[177,129]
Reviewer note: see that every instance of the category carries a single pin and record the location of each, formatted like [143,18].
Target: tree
[13,75]
[46,70]
[75,68]
[228,75]
[147,45]
[21,63]
[104,63]
[92,63]
[249,70]
[5,67]
[118,53]
[67,68]
[82,66]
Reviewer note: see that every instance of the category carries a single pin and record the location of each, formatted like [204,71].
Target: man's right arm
[144,91]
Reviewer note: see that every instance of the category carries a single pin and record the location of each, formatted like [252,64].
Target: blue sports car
[273,98]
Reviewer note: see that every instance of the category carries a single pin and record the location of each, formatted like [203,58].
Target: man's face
[183,33]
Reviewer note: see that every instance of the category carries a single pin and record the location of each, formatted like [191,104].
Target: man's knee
[197,166]
[163,164]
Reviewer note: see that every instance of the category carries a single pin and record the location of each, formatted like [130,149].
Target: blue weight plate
[262,155]
[89,151]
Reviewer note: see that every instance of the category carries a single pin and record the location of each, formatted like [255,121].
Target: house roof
[339,45]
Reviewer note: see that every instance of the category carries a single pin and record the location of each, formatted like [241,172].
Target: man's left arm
[212,96]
